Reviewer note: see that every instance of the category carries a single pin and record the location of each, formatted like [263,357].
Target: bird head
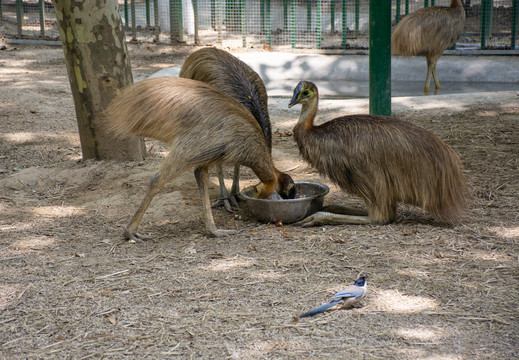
[286,187]
[303,92]
[360,281]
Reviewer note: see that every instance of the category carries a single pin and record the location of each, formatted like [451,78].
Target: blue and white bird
[346,298]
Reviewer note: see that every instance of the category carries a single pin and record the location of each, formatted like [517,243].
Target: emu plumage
[381,159]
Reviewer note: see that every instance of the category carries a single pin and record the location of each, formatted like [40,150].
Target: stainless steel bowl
[309,199]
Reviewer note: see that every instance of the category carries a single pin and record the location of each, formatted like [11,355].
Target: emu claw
[228,203]
[319,218]
[137,237]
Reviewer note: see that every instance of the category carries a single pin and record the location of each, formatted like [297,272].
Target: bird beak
[293,101]
[295,97]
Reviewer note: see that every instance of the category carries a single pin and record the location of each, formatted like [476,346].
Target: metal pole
[156,19]
[180,21]
[318,24]
[126,20]
[243,19]
[195,14]
[285,14]
[19,16]
[344,24]
[308,15]
[219,21]
[269,30]
[357,16]
[293,23]
[332,15]
[148,17]
[406,7]
[515,13]
[425,3]
[262,15]
[42,17]
[380,57]
[134,27]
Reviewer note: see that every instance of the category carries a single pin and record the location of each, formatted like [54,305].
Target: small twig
[112,274]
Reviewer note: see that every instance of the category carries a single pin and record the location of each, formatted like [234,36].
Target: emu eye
[305,93]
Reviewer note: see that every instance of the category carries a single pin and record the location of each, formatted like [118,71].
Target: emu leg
[344,210]
[436,82]
[235,190]
[428,77]
[328,218]
[224,198]
[202,178]
[156,183]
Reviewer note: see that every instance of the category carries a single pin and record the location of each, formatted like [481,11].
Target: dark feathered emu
[381,159]
[238,80]
[203,127]
[429,32]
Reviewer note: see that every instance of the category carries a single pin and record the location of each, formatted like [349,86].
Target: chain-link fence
[277,24]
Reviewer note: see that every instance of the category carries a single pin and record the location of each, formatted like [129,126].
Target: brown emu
[203,127]
[241,82]
[383,160]
[429,32]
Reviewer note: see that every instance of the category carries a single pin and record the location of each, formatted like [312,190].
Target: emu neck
[308,112]
[456,4]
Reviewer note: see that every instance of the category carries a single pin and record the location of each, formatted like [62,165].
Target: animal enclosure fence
[276,24]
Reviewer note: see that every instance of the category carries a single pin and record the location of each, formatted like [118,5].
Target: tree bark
[98,67]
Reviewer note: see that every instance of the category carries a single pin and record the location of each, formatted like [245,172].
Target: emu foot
[328,218]
[137,237]
[228,203]
[222,232]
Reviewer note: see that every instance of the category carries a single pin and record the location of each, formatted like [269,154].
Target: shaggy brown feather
[429,32]
[238,80]
[383,160]
[203,127]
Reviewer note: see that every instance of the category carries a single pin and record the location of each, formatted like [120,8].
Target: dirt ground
[71,287]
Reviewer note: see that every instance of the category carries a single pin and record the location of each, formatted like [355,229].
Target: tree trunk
[98,67]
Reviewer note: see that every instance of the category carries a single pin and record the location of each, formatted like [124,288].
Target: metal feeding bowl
[309,199]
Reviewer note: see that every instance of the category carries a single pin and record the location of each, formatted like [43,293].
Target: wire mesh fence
[276,24]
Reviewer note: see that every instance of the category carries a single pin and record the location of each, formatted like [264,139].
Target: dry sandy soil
[71,287]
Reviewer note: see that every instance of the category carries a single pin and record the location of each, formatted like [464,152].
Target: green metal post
[134,27]
[213,14]
[195,14]
[432,2]
[42,17]
[332,15]
[515,13]
[19,16]
[318,24]
[357,16]
[180,21]
[344,24]
[397,15]
[126,19]
[156,19]
[262,15]
[406,7]
[269,30]
[285,14]
[486,19]
[308,15]
[148,17]
[172,35]
[243,19]
[219,21]
[293,23]
[425,3]
[380,57]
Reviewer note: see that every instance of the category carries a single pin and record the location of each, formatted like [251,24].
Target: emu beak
[295,97]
